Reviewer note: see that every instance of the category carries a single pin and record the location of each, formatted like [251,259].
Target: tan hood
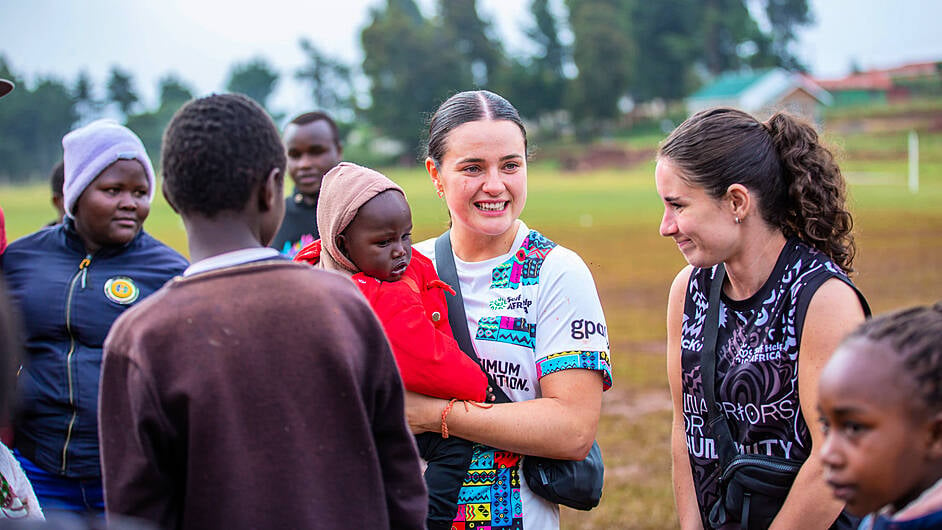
[346,187]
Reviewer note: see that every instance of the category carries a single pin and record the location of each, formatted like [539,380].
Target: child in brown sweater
[253,392]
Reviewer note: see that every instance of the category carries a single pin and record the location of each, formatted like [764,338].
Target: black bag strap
[457,318]
[725,448]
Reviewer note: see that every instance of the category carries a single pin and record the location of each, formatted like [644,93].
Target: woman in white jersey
[533,315]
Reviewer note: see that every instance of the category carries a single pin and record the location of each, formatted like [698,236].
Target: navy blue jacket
[68,300]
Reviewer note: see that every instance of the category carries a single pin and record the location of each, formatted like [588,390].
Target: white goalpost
[913,161]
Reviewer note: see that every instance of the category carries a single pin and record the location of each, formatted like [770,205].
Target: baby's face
[877,435]
[379,239]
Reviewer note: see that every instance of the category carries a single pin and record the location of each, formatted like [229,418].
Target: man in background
[313,147]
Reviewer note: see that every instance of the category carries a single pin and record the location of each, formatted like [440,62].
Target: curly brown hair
[798,185]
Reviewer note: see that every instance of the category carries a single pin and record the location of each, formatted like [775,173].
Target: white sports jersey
[530,312]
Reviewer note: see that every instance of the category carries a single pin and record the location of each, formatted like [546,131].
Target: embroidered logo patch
[121,290]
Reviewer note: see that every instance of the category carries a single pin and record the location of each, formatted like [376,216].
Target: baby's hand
[490,397]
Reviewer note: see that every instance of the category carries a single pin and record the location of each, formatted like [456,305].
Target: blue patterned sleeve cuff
[587,360]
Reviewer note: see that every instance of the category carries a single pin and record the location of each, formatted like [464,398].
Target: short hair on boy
[915,334]
[311,117]
[216,150]
[56,179]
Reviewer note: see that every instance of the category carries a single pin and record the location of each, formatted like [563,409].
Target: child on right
[366,233]
[880,400]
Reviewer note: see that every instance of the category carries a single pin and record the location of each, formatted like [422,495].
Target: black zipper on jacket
[83,274]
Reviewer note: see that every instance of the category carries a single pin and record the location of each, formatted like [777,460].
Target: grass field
[611,219]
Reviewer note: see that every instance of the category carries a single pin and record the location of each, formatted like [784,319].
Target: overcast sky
[200,39]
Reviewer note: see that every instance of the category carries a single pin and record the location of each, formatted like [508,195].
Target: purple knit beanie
[89,150]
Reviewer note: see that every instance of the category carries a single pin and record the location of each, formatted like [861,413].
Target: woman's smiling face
[483,176]
[702,228]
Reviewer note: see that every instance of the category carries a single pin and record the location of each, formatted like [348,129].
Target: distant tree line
[589,60]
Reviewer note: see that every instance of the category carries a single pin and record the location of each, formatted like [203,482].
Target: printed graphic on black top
[757,365]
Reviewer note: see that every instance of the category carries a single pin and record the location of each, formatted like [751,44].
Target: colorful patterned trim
[524,267]
[588,360]
[291,249]
[509,330]
[490,494]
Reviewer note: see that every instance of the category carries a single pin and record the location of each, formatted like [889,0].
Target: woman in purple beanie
[69,283]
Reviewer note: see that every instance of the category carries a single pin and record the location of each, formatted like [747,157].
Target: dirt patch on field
[922,120]
[603,157]
[631,405]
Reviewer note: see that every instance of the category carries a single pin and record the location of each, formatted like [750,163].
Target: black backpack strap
[725,448]
[457,318]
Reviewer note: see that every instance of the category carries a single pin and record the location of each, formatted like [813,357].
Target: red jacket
[415,317]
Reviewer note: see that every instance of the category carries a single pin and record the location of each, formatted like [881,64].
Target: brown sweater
[258,396]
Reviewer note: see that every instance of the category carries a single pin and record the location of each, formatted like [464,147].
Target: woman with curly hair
[765,202]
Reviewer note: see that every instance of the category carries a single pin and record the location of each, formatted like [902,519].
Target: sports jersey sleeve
[571,330]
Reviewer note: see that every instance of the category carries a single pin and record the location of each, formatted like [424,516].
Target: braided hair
[915,334]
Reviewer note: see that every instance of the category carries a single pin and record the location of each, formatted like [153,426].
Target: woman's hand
[424,413]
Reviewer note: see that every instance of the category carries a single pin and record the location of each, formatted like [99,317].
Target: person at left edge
[70,282]
[17,499]
[312,144]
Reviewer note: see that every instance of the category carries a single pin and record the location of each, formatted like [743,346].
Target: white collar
[230,259]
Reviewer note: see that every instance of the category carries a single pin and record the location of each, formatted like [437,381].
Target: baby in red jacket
[365,225]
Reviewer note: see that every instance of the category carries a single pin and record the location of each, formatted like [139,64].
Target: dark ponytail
[798,186]
[816,189]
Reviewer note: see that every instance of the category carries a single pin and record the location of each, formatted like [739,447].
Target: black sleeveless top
[756,365]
